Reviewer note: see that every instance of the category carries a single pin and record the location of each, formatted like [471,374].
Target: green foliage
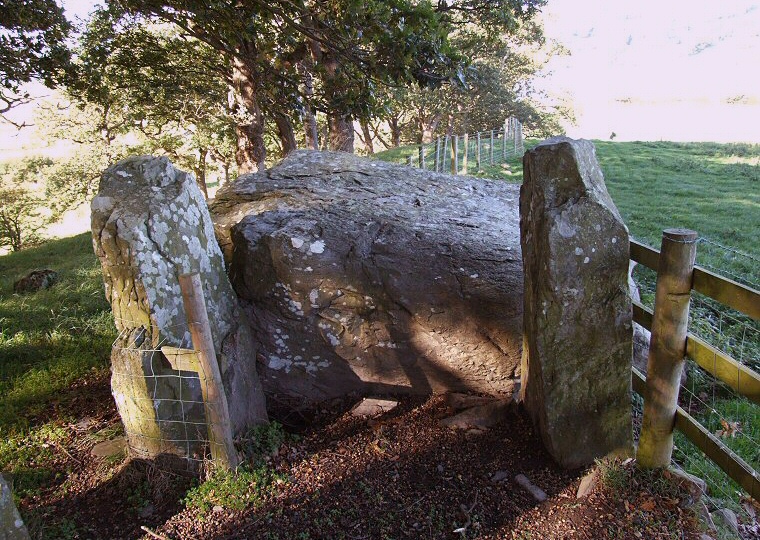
[32,35]
[261,441]
[22,209]
[251,482]
[232,490]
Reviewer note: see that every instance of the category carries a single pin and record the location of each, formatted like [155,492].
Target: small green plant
[262,441]
[232,490]
[250,482]
[613,474]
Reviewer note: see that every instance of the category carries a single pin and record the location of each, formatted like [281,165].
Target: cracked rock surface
[365,277]
[150,224]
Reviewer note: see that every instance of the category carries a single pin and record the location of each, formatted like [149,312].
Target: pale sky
[645,70]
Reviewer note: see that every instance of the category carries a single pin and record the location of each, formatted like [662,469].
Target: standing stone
[11,525]
[150,224]
[577,314]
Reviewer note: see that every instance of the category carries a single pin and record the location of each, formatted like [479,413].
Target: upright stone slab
[577,314]
[150,224]
[11,525]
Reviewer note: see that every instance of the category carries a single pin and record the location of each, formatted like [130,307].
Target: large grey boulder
[150,224]
[578,327]
[367,277]
[11,525]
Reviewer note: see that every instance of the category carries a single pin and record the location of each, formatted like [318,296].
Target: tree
[164,86]
[22,214]
[346,48]
[32,47]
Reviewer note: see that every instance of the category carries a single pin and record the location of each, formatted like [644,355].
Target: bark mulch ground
[401,475]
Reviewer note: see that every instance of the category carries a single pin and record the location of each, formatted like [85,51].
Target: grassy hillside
[51,338]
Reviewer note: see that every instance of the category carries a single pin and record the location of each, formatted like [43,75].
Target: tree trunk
[427,128]
[341,136]
[309,117]
[285,132]
[367,137]
[395,131]
[251,152]
[200,172]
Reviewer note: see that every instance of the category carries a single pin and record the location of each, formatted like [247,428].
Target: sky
[682,70]
[665,69]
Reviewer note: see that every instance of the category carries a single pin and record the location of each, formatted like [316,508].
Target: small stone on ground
[373,407]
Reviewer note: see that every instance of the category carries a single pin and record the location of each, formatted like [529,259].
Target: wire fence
[461,154]
[161,392]
[724,412]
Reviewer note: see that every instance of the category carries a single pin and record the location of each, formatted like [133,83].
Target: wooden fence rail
[660,390]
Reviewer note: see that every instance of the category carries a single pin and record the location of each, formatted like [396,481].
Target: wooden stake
[422,156]
[504,140]
[667,346]
[477,154]
[217,411]
[491,149]
[464,156]
[438,155]
[454,154]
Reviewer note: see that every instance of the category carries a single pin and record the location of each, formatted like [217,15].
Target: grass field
[54,339]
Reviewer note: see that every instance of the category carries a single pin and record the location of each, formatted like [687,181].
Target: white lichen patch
[296,242]
[579,251]
[317,247]
[586,260]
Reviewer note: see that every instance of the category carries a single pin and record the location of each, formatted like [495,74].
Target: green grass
[50,338]
[48,341]
[250,482]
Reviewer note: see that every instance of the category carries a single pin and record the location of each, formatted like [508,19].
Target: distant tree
[32,34]
[22,210]
[167,87]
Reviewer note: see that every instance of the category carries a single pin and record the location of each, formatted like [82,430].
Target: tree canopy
[32,47]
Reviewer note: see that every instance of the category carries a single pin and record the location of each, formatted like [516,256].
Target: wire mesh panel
[160,390]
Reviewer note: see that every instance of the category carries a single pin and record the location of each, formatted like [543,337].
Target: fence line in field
[457,154]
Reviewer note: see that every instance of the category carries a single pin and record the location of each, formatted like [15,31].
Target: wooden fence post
[455,154]
[667,346]
[477,154]
[445,150]
[422,157]
[491,149]
[215,401]
[466,145]
[411,160]
[504,140]
[438,155]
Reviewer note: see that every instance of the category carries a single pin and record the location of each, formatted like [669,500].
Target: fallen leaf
[648,505]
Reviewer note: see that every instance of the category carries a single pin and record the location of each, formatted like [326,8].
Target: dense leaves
[32,34]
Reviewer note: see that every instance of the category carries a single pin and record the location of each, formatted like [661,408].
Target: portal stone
[150,224]
[576,368]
